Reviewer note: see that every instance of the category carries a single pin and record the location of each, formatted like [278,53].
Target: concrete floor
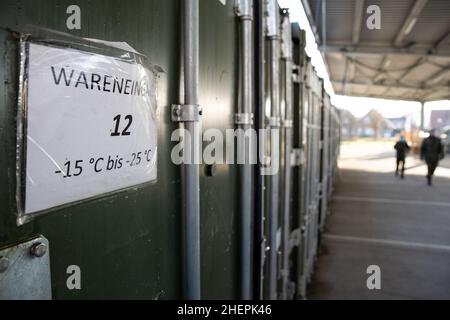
[403,226]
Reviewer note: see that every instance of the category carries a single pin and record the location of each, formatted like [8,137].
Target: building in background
[374,125]
[349,124]
[399,124]
[439,119]
[403,125]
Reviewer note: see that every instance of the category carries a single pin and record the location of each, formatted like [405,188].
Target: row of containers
[200,231]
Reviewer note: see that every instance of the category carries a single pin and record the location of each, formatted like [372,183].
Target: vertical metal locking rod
[260,178]
[272,18]
[190,178]
[287,126]
[244,9]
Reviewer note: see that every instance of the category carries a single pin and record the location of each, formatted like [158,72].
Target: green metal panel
[128,245]
[219,193]
[301,94]
[324,158]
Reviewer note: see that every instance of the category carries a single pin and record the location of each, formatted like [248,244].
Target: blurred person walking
[431,151]
[402,148]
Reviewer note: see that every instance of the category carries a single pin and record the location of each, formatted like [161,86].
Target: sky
[359,106]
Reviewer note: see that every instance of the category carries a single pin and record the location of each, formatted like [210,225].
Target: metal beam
[436,77]
[410,21]
[381,70]
[312,23]
[344,82]
[419,94]
[422,115]
[386,62]
[436,95]
[383,96]
[390,85]
[386,91]
[424,98]
[357,20]
[372,50]
[351,71]
[443,40]
[416,64]
[324,22]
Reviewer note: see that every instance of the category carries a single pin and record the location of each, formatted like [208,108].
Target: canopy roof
[408,58]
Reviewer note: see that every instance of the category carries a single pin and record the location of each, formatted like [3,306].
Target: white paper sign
[90,126]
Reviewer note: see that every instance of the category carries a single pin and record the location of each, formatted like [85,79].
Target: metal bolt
[177,111]
[38,249]
[4,264]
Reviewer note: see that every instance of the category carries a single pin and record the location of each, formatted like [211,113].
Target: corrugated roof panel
[339,19]
[363,73]
[393,14]
[400,71]
[421,73]
[401,62]
[443,62]
[432,24]
[371,62]
[378,90]
[359,90]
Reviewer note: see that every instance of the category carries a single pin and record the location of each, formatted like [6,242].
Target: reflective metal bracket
[286,36]
[243,118]
[186,113]
[25,271]
[297,157]
[243,8]
[274,122]
[288,123]
[271,14]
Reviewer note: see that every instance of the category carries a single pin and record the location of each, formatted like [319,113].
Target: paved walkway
[403,226]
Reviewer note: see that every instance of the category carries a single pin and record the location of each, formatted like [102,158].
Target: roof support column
[422,115]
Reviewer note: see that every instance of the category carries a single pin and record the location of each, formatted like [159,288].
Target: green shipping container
[258,233]
[128,245]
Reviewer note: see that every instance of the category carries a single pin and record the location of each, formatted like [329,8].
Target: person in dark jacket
[431,151]
[402,148]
